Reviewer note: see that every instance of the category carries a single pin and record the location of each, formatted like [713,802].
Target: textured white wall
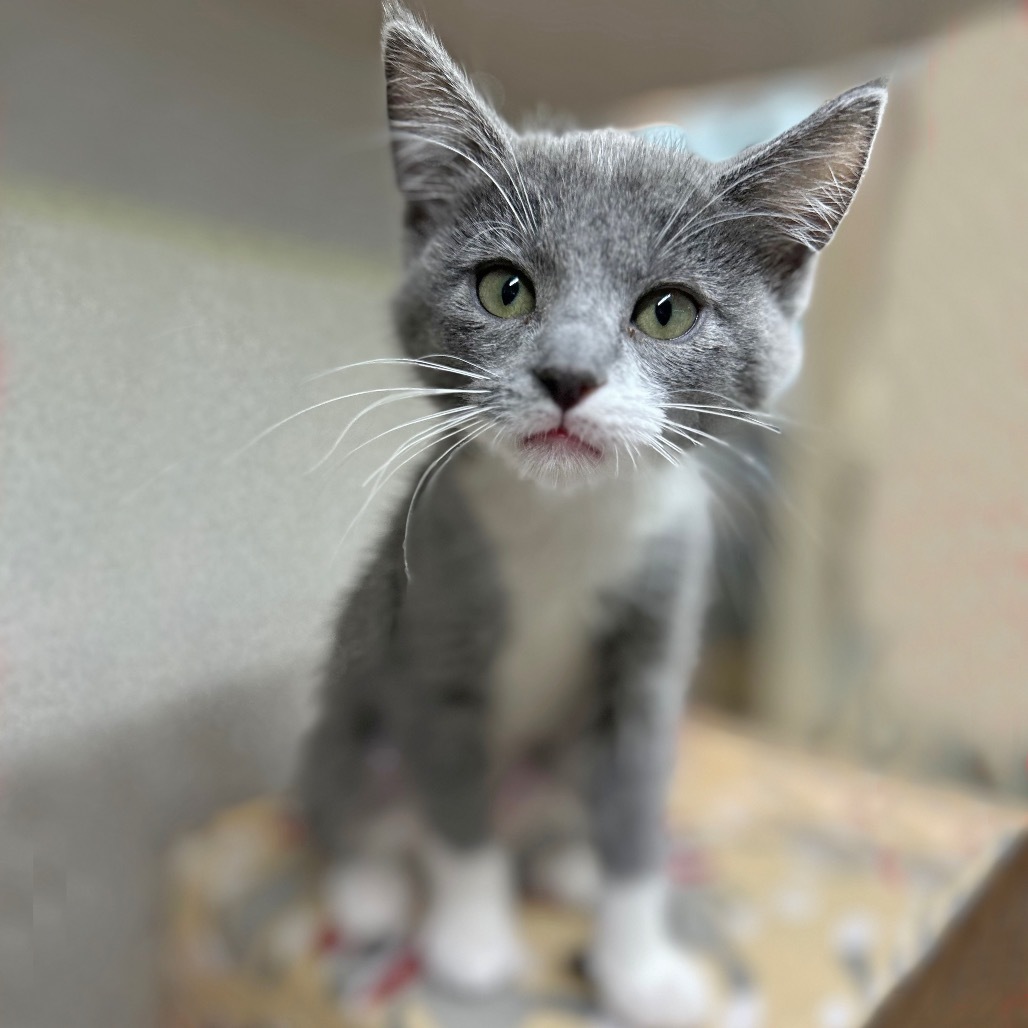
[163,606]
[143,560]
[161,611]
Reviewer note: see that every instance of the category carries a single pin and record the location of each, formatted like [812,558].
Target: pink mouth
[561,440]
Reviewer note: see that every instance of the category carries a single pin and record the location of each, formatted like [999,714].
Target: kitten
[600,306]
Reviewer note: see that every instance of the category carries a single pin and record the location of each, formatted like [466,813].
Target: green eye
[506,293]
[666,313]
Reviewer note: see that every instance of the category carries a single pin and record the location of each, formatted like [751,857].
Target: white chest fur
[558,552]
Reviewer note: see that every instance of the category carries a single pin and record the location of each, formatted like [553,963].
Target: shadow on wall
[84,832]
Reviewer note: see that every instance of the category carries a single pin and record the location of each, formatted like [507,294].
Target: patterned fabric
[806,886]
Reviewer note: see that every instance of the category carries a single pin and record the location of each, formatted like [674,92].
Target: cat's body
[565,561]
[526,611]
[539,594]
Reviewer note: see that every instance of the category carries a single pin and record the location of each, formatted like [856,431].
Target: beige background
[905,635]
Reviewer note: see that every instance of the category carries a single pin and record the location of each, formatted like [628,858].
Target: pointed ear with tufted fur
[443,132]
[801,183]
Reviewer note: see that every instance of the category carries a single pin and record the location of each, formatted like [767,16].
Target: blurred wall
[899,632]
[164,600]
[236,113]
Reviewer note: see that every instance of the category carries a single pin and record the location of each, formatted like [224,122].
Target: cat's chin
[563,474]
[559,461]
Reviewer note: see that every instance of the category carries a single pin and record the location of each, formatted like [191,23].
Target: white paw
[473,951]
[643,979]
[470,939]
[656,987]
[370,899]
[568,874]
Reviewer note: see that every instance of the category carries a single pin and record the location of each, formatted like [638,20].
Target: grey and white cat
[598,306]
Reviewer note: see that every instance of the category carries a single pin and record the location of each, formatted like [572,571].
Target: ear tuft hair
[804,180]
[442,130]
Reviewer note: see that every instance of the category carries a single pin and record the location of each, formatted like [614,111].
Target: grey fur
[643,672]
[596,219]
[408,666]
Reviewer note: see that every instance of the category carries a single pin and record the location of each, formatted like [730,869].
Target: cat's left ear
[443,132]
[801,184]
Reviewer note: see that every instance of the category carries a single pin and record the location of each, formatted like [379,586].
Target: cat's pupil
[663,309]
[510,290]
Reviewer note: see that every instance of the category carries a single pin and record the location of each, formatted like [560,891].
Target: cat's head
[603,288]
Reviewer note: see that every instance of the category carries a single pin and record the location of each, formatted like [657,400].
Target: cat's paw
[643,978]
[472,951]
[470,940]
[654,987]
[370,900]
[568,874]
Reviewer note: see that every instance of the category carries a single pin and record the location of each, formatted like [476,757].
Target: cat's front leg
[642,976]
[469,937]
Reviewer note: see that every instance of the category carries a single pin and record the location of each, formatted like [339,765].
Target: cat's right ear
[443,132]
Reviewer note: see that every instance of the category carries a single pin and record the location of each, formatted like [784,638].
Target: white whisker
[723,413]
[353,421]
[413,390]
[436,434]
[381,479]
[751,462]
[732,404]
[658,446]
[425,475]
[420,362]
[396,428]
